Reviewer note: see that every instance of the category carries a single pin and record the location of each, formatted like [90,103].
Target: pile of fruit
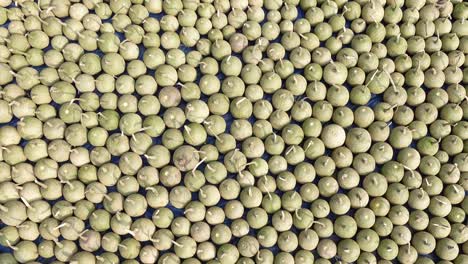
[233,131]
